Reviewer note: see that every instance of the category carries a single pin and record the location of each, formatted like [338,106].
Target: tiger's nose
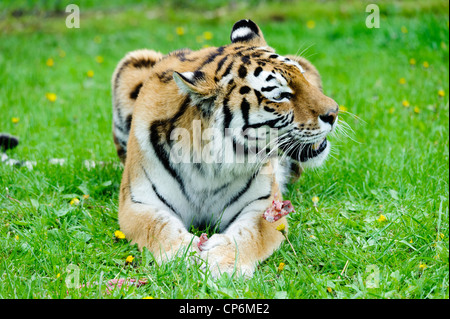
[330,117]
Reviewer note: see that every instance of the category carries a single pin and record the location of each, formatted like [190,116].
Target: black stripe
[221,188]
[258,70]
[128,123]
[228,116]
[240,212]
[268,88]
[242,72]
[220,64]
[121,142]
[228,69]
[259,96]
[270,123]
[239,149]
[160,197]
[158,146]
[119,127]
[244,90]
[245,109]
[241,192]
[165,76]
[245,59]
[121,152]
[134,94]
[181,55]
[143,63]
[184,106]
[212,56]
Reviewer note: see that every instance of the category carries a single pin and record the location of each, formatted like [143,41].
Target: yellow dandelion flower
[343,108]
[312,236]
[207,35]
[402,81]
[416,109]
[74,201]
[329,289]
[99,59]
[441,93]
[180,31]
[50,62]
[315,200]
[422,266]
[148,297]
[426,64]
[15,120]
[281,227]
[51,96]
[412,61]
[311,24]
[391,110]
[382,218]
[404,29]
[16,237]
[58,275]
[281,267]
[411,241]
[129,259]
[90,73]
[405,103]
[118,234]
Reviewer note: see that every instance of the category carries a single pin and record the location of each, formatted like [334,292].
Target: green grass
[395,163]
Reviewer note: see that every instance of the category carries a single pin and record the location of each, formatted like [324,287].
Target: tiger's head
[248,89]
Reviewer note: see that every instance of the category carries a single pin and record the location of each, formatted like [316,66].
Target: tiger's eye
[281,96]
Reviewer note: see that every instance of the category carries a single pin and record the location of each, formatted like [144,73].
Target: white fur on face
[269,88]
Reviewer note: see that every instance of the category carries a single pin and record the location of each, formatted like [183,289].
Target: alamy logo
[73,276]
[373,279]
[73,19]
[373,19]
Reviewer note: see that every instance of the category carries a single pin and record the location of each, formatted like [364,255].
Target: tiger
[238,92]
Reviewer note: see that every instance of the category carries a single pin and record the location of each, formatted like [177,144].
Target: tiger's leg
[146,221]
[127,80]
[250,239]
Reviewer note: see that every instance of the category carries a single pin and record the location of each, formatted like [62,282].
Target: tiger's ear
[195,84]
[246,31]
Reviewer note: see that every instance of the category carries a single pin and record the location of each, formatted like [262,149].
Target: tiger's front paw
[221,255]
[186,244]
